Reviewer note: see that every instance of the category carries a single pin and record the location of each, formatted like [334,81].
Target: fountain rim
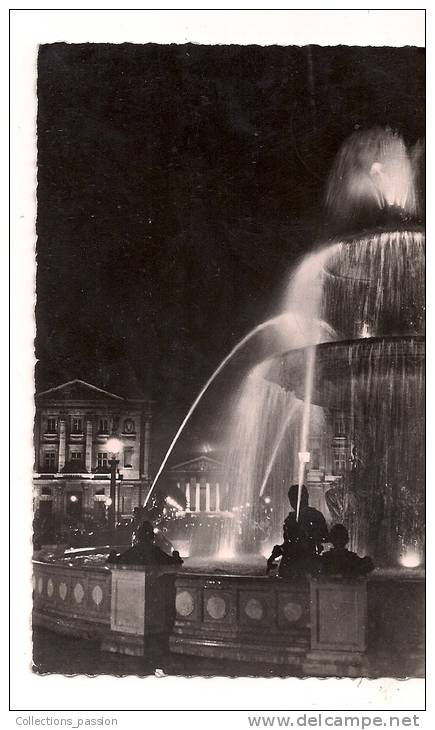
[353,235]
[380,573]
[364,236]
[349,341]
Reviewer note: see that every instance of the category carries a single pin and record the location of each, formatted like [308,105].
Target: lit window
[102,459]
[128,458]
[77,425]
[51,425]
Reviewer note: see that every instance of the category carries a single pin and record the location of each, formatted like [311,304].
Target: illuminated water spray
[350,342]
[285,322]
[372,169]
[284,427]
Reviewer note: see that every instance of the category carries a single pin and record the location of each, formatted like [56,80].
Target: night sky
[177,186]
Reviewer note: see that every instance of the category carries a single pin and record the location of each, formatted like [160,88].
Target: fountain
[351,352]
[357,381]
[372,374]
[343,380]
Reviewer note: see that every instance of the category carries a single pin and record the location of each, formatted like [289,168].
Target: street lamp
[304,458]
[114,446]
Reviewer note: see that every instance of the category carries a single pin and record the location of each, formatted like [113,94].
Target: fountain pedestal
[141,611]
[338,627]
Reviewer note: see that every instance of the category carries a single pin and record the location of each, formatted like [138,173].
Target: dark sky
[177,185]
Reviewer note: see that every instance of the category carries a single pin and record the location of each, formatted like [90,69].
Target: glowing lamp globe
[114,445]
[410,559]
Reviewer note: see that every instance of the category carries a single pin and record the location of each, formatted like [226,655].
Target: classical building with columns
[73,424]
[201,482]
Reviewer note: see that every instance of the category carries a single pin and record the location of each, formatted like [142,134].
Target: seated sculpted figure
[303,538]
[144,552]
[341,561]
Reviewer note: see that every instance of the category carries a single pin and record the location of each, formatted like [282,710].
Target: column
[58,504]
[88,500]
[207,497]
[146,448]
[197,497]
[187,497]
[62,444]
[88,452]
[37,467]
[218,498]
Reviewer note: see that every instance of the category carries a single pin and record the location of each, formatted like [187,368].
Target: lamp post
[304,458]
[113,446]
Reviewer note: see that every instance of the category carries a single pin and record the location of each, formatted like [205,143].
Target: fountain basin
[72,600]
[327,626]
[128,609]
[323,627]
[242,618]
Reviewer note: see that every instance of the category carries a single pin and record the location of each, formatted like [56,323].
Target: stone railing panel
[236,617]
[67,592]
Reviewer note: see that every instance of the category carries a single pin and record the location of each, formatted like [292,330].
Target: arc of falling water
[277,445]
[252,333]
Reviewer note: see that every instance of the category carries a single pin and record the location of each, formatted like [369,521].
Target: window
[128,458]
[46,492]
[77,426]
[50,461]
[76,455]
[103,425]
[102,459]
[51,425]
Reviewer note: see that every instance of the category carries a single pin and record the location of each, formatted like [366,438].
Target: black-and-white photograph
[229,431]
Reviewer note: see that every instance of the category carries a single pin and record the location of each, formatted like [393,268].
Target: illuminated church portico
[201,481]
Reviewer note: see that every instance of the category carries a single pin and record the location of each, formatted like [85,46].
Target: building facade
[73,424]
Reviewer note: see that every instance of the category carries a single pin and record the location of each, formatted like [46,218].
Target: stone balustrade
[319,627]
[242,618]
[72,600]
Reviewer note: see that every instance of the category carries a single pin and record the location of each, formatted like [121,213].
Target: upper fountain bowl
[343,369]
[359,256]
